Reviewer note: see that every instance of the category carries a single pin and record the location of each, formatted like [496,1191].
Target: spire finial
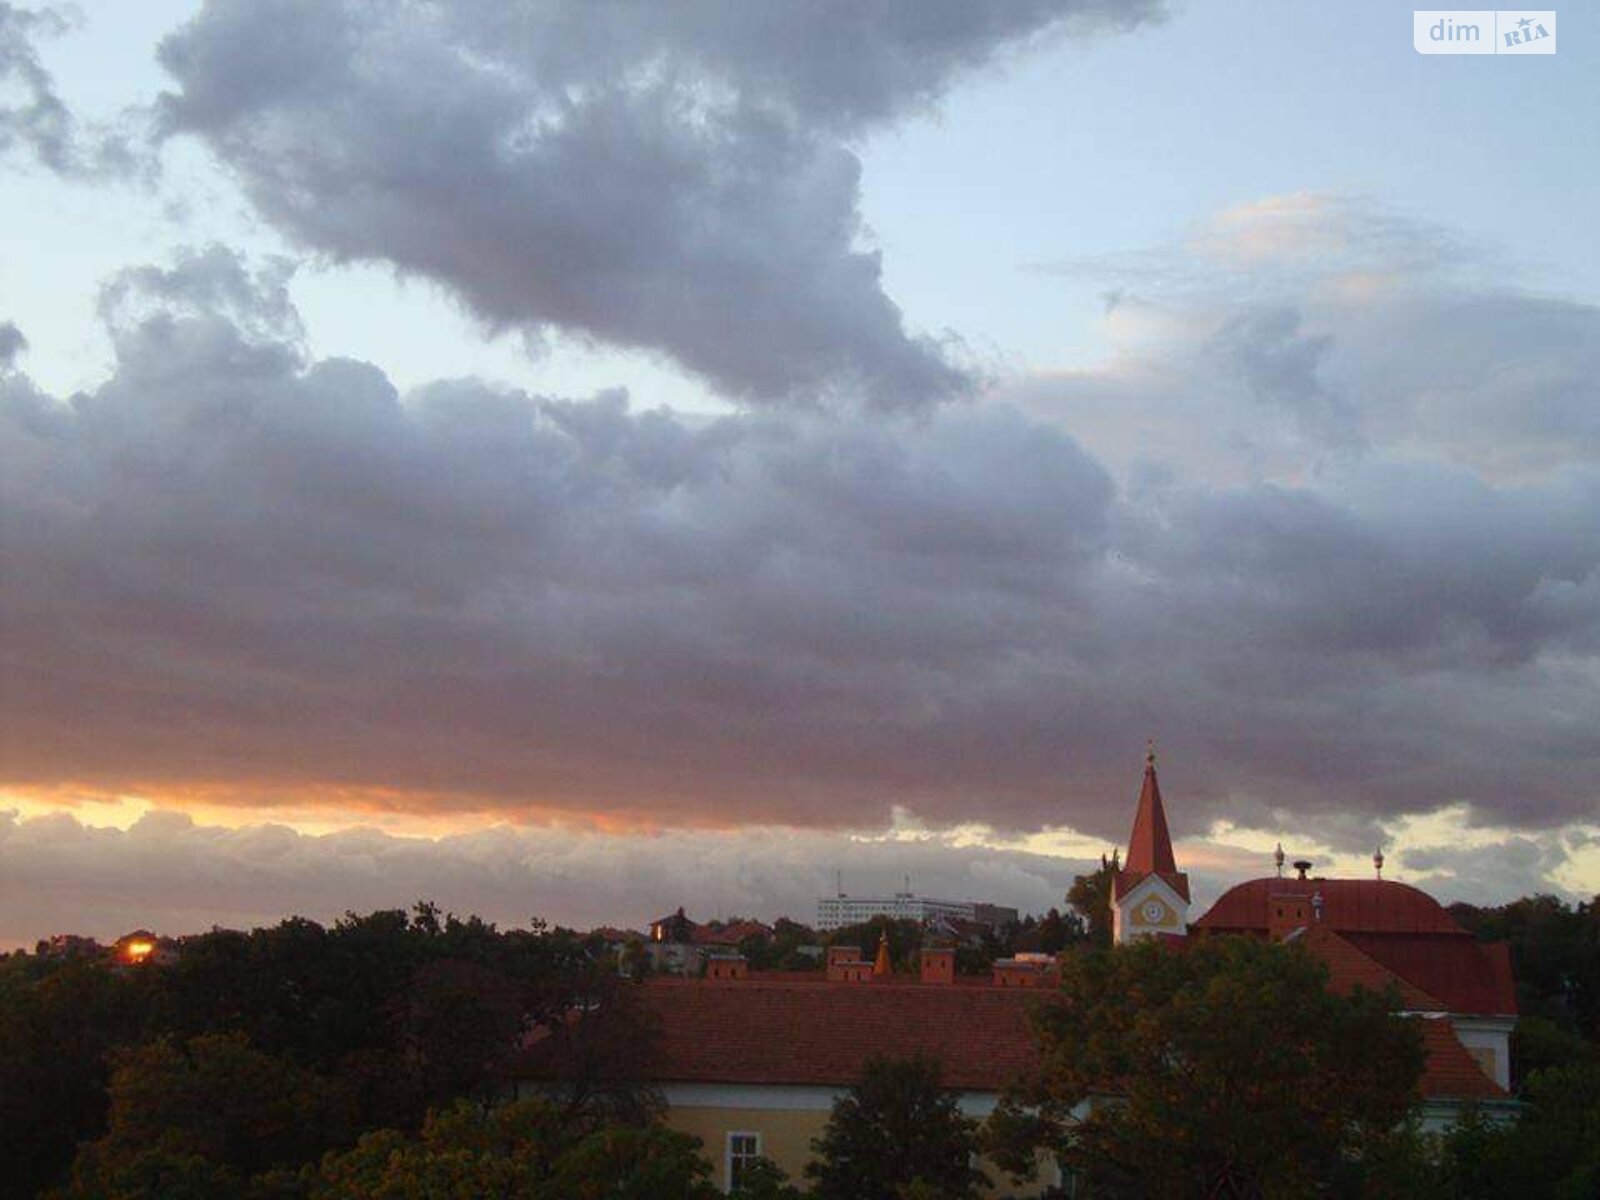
[1150,752]
[1377,861]
[1277,857]
[883,967]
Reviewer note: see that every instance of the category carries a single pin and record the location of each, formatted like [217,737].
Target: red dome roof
[1348,906]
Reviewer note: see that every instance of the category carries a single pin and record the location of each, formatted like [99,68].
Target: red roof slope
[783,1031]
[1349,968]
[1402,929]
[1467,976]
[755,1031]
[1348,906]
[1452,1073]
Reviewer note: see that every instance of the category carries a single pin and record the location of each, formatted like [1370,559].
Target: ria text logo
[1483,31]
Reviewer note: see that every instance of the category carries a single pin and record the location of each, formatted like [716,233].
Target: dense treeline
[371,1059]
[270,1048]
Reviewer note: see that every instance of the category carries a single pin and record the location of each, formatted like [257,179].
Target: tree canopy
[1235,1072]
[896,1133]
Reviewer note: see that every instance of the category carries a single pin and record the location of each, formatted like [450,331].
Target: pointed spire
[883,967]
[1150,846]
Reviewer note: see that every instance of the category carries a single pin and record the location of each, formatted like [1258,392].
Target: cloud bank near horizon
[172,875]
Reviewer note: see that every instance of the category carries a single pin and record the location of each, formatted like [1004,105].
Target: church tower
[1149,895]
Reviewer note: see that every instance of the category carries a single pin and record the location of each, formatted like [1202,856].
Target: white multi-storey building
[835,912]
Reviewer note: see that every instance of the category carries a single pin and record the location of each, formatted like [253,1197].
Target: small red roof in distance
[770,1032]
[1348,906]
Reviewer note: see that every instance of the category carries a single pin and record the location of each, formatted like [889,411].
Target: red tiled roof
[766,1030]
[1348,906]
[1467,976]
[1403,930]
[1451,1072]
[1349,968]
[756,1031]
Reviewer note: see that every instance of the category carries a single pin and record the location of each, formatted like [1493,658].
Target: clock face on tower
[1153,912]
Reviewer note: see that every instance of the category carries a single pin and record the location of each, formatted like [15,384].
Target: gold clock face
[1154,912]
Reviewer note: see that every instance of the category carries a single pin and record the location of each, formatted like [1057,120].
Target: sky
[575,460]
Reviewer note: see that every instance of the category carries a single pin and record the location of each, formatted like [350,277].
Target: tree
[896,1130]
[1090,898]
[1235,1072]
[1555,955]
[526,1150]
[763,1179]
[1551,1151]
[58,1027]
[214,1099]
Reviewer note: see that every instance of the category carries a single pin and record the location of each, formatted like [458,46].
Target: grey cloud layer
[668,177]
[234,565]
[1308,329]
[171,875]
[37,123]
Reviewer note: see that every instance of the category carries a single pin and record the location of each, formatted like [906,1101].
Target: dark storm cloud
[236,566]
[678,178]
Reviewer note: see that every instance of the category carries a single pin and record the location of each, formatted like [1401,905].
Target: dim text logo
[1483,31]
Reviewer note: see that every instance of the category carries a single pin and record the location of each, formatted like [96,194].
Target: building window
[743,1149]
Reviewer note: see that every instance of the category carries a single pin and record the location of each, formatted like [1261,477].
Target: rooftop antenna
[838,883]
[1277,857]
[1377,861]
[908,885]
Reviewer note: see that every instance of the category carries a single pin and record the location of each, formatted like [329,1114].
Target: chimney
[1027,971]
[1286,912]
[727,966]
[1303,867]
[839,954]
[938,966]
[845,965]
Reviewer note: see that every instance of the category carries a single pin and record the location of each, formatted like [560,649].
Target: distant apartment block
[837,912]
